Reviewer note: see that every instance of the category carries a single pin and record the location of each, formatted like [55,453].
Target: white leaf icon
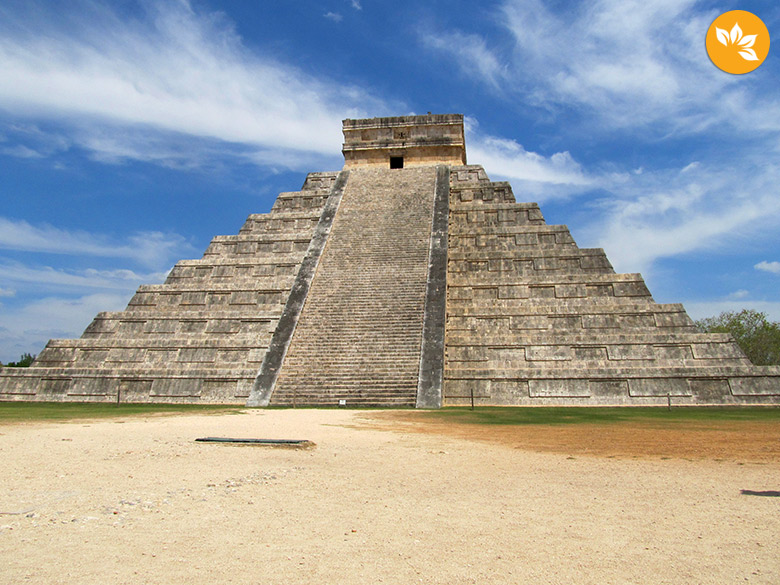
[736,33]
[747,41]
[749,55]
[723,36]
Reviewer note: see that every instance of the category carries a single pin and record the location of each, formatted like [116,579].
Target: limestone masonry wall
[199,337]
[533,319]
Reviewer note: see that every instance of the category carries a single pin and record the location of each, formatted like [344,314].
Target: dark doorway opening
[396,162]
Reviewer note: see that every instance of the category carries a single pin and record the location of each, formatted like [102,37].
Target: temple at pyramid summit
[408,278]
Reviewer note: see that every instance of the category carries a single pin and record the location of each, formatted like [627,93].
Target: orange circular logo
[737,41]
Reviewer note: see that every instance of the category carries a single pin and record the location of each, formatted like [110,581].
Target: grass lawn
[12,412]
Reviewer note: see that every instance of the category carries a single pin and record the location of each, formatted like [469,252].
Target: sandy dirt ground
[385,498]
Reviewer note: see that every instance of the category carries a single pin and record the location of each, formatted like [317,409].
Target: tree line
[758,337]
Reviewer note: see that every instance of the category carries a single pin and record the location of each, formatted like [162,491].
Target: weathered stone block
[192,326]
[161,326]
[717,350]
[673,352]
[599,290]
[93,387]
[485,293]
[231,356]
[529,322]
[630,352]
[131,327]
[118,355]
[659,387]
[590,354]
[58,355]
[565,291]
[565,322]
[197,355]
[193,298]
[609,389]
[541,292]
[600,321]
[18,387]
[755,386]
[101,326]
[176,387]
[630,289]
[548,352]
[710,391]
[54,387]
[460,293]
[161,357]
[93,356]
[564,388]
[513,291]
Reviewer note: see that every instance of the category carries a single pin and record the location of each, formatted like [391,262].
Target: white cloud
[21,151]
[356,4]
[545,177]
[174,70]
[55,317]
[148,248]
[665,213]
[632,62]
[47,277]
[773,267]
[472,53]
[334,16]
[31,142]
[7,292]
[617,64]
[739,294]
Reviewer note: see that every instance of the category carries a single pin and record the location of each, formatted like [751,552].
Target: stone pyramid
[406,279]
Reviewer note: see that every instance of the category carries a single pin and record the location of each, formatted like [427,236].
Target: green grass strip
[11,412]
[543,415]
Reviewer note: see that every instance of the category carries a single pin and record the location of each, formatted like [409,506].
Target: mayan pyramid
[406,279]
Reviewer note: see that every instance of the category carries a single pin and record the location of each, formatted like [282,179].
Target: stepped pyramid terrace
[408,278]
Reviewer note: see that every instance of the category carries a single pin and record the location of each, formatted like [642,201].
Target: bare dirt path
[376,501]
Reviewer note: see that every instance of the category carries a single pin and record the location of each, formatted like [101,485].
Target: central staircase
[359,335]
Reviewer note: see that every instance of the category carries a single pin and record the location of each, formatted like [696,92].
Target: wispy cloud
[615,64]
[46,277]
[29,327]
[172,69]
[543,177]
[664,213]
[29,141]
[472,53]
[739,294]
[356,4]
[630,62]
[334,16]
[147,248]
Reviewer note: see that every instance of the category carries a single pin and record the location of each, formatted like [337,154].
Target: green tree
[23,362]
[758,337]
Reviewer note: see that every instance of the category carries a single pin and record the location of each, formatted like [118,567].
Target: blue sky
[132,132]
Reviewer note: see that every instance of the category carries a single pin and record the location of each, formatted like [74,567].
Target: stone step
[361,326]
